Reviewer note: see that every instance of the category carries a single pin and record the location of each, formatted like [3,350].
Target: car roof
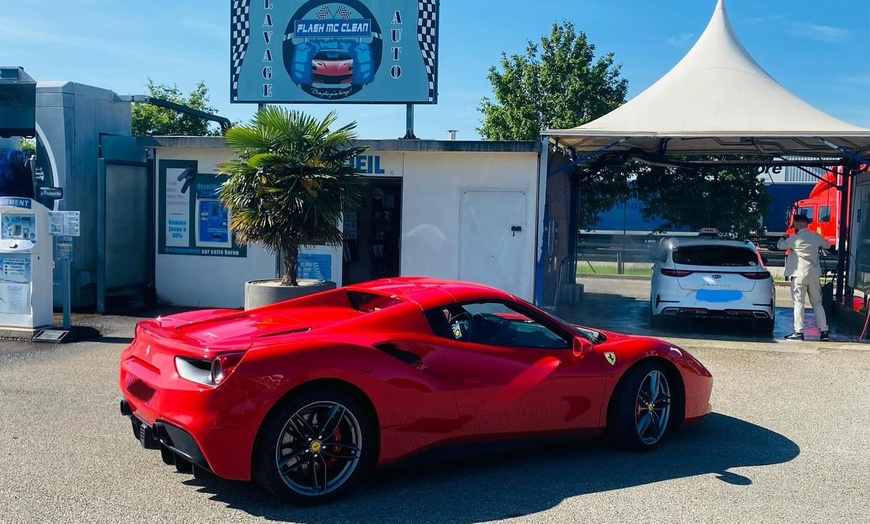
[705,241]
[430,292]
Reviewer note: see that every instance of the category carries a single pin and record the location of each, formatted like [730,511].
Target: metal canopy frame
[850,163]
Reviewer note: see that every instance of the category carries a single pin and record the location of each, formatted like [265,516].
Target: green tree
[152,120]
[288,181]
[28,145]
[557,85]
[731,199]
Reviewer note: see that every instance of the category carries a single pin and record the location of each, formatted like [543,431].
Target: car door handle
[471,380]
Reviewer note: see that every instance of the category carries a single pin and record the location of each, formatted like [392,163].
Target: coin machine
[25,264]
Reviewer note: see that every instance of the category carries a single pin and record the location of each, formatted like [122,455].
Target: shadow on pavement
[524,482]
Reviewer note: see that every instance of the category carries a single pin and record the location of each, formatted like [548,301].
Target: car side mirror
[581,346]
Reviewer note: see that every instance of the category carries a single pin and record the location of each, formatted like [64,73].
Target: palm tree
[288,181]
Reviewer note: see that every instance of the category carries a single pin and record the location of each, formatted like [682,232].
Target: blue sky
[818,50]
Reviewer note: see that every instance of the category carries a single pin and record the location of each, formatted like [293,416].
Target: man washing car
[805,245]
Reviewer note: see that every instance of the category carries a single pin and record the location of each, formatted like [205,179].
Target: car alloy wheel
[314,447]
[319,448]
[652,408]
[639,413]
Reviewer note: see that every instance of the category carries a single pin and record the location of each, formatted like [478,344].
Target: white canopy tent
[717,100]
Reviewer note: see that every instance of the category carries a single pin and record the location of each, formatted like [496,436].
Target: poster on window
[317,266]
[192,219]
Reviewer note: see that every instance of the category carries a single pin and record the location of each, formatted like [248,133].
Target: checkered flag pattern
[240,37]
[427,14]
[323,13]
[343,12]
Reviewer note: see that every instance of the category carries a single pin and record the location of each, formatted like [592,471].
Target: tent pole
[573,227]
[845,231]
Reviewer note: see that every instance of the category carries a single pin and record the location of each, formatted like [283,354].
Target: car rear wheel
[655,321]
[765,326]
[314,447]
[640,411]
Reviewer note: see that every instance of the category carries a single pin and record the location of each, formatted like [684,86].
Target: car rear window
[713,255]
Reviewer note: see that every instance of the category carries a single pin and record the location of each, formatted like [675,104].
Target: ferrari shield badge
[610,356]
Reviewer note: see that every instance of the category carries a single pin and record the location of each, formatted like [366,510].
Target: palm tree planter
[287,183]
[261,292]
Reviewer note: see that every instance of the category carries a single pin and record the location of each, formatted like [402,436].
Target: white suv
[708,277]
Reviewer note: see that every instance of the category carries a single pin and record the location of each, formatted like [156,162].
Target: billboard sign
[318,51]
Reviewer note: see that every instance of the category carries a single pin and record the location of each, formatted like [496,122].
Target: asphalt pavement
[786,443]
[622,304]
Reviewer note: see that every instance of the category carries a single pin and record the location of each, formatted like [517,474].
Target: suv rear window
[714,255]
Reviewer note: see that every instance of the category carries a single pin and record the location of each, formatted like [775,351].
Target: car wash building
[442,208]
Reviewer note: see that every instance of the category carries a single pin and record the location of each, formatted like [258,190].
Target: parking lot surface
[786,442]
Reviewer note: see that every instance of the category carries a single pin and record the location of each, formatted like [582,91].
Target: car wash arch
[87,164]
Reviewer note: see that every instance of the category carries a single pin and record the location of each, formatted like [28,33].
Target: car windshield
[332,54]
[715,255]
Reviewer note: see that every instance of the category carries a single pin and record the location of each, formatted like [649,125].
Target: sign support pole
[67,293]
[409,123]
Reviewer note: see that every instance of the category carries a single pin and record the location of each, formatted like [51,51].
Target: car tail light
[756,275]
[208,372]
[675,272]
[223,365]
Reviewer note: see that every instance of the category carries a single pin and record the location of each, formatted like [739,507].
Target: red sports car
[332,66]
[306,396]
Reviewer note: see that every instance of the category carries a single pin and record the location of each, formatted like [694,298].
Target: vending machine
[25,264]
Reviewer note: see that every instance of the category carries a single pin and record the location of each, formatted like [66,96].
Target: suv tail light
[675,272]
[756,275]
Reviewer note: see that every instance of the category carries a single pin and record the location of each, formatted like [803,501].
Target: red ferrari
[332,66]
[306,396]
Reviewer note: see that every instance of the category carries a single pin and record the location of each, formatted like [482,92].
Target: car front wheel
[314,447]
[640,411]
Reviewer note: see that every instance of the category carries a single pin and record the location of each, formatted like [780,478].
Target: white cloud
[20,34]
[823,33]
[858,80]
[681,40]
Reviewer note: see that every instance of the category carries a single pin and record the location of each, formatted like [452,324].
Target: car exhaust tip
[126,410]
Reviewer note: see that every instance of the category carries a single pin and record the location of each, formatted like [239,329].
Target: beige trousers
[799,291]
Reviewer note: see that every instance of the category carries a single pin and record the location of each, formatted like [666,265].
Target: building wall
[205,281]
[433,185]
[433,182]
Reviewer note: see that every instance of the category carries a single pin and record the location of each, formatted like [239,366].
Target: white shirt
[805,244]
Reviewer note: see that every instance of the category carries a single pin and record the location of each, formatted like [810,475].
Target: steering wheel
[460,325]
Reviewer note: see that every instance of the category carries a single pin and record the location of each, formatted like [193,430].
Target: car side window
[808,211]
[825,214]
[495,324]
